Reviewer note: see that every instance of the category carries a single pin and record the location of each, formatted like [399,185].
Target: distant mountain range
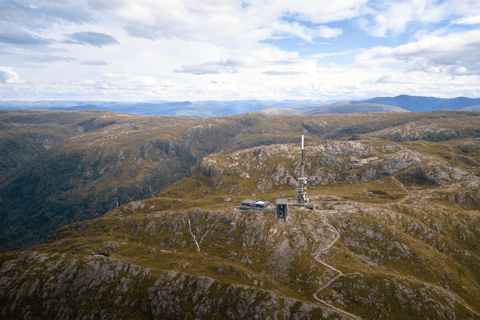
[210,108]
[160,108]
[164,108]
[244,106]
[416,104]
[348,107]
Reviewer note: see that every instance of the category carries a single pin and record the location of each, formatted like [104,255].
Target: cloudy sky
[139,50]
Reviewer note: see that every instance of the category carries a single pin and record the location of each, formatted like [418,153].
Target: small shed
[282,208]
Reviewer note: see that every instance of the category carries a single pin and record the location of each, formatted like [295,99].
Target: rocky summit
[394,233]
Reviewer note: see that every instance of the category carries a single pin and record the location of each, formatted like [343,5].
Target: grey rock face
[427,130]
[110,245]
[136,205]
[370,168]
[64,288]
[425,175]
[335,161]
[208,168]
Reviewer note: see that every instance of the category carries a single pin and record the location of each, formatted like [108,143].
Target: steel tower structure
[302,181]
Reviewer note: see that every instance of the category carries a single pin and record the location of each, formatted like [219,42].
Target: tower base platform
[308,205]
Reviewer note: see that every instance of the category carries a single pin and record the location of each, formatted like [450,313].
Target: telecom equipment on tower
[302,200]
[302,181]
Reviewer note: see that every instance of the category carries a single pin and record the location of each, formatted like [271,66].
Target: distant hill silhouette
[347,107]
[417,103]
[211,108]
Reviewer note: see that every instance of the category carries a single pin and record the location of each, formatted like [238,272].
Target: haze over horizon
[238,50]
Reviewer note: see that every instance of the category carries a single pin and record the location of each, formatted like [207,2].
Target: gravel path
[337,236]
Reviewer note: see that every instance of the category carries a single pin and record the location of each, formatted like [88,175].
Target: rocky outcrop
[208,168]
[438,175]
[427,130]
[331,162]
[423,176]
[64,287]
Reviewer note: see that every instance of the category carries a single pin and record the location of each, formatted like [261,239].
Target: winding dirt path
[326,285]
[399,184]
[419,195]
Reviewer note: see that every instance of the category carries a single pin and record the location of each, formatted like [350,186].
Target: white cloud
[469,20]
[234,63]
[132,80]
[394,19]
[216,20]
[395,16]
[114,75]
[137,12]
[305,33]
[321,11]
[455,54]
[183,49]
[166,83]
[144,81]
[7,75]
[334,54]
[281,73]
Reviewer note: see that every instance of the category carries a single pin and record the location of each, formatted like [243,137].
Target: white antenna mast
[302,157]
[302,180]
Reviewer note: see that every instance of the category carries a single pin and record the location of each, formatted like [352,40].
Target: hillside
[395,234]
[61,167]
[90,171]
[347,107]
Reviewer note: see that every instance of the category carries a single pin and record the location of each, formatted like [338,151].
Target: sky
[178,50]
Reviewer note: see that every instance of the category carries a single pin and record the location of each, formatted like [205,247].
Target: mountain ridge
[210,108]
[348,107]
[419,103]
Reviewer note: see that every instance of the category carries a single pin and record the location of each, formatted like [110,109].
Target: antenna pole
[302,199]
[302,155]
